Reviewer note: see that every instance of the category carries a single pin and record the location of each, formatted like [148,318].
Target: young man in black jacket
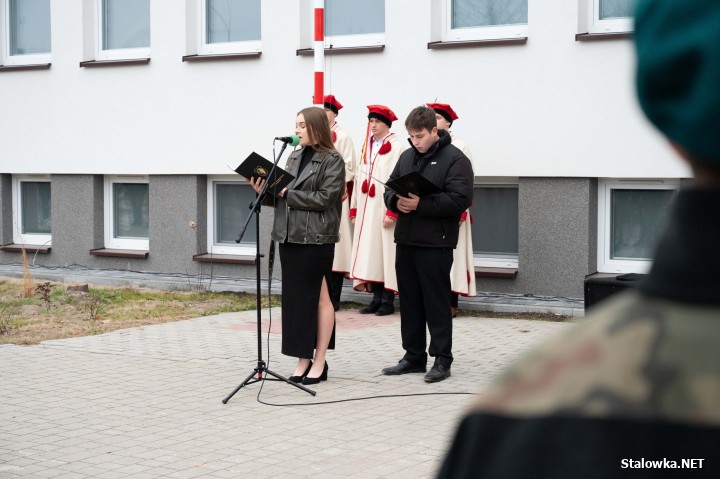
[425,235]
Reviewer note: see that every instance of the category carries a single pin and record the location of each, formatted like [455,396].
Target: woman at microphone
[306,226]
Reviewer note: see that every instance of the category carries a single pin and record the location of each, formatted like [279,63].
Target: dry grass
[52,312]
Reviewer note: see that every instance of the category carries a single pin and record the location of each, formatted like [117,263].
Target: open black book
[414,183]
[255,166]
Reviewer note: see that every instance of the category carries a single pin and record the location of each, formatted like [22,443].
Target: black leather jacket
[310,211]
[436,221]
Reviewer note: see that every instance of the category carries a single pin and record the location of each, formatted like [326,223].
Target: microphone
[293,140]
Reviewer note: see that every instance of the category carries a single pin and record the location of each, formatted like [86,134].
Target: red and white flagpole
[319,47]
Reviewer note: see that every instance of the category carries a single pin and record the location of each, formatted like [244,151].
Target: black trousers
[423,276]
[382,295]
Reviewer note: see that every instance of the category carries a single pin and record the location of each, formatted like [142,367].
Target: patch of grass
[54,313]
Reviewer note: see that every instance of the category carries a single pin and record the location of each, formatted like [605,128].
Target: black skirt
[303,269]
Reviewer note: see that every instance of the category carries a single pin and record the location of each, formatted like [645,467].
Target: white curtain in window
[637,219]
[126,24]
[495,221]
[231,211]
[353,17]
[29,22]
[485,13]
[35,204]
[232,20]
[616,8]
[131,210]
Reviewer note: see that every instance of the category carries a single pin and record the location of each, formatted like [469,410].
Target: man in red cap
[373,250]
[462,275]
[344,145]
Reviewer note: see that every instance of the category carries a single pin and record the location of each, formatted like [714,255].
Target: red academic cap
[382,113]
[445,110]
[332,103]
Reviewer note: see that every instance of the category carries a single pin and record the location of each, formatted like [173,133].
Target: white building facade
[119,120]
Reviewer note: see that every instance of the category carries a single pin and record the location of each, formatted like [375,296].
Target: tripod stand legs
[257,375]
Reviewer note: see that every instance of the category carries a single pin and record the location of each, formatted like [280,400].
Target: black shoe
[323,377]
[297,379]
[437,373]
[371,308]
[403,367]
[385,309]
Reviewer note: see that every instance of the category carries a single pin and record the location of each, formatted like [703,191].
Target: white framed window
[127,212]
[494,225]
[631,217]
[25,28]
[228,209]
[610,16]
[32,218]
[229,26]
[465,20]
[349,23]
[123,29]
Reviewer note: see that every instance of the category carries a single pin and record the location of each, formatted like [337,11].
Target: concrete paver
[146,402]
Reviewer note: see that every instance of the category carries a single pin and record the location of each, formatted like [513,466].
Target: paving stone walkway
[146,402]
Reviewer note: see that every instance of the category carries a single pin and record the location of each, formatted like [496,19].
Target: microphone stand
[257,373]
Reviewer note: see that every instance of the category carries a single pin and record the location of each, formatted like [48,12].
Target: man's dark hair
[421,117]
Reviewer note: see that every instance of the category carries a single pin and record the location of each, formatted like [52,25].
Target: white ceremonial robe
[343,248]
[373,249]
[462,274]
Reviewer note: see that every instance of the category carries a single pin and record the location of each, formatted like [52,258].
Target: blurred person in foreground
[634,390]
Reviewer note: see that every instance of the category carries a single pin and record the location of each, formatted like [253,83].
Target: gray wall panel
[557,238]
[173,205]
[77,214]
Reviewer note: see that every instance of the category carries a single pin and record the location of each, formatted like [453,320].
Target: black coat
[436,221]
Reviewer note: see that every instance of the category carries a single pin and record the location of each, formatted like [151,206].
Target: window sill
[221,57]
[308,52]
[29,248]
[120,253]
[224,258]
[508,273]
[20,68]
[594,37]
[476,43]
[113,63]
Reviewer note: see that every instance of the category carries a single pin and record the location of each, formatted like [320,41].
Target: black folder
[414,183]
[255,166]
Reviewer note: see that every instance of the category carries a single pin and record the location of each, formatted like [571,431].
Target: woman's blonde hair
[318,127]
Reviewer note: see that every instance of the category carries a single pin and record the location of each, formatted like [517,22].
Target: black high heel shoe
[323,377]
[298,379]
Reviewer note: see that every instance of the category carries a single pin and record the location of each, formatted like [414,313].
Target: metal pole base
[257,375]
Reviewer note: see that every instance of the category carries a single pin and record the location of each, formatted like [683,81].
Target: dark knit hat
[678,72]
